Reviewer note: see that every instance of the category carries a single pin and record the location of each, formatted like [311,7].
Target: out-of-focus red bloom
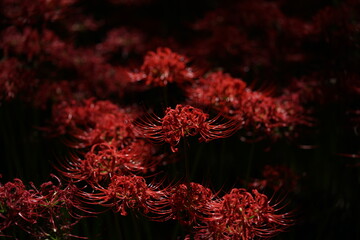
[256,111]
[52,92]
[307,90]
[14,78]
[219,90]
[338,22]
[22,12]
[26,42]
[124,40]
[276,178]
[102,80]
[39,44]
[90,122]
[266,113]
[184,121]
[246,31]
[130,2]
[94,75]
[79,22]
[244,216]
[163,67]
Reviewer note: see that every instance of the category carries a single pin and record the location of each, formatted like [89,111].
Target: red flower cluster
[255,110]
[237,215]
[109,165]
[107,131]
[95,71]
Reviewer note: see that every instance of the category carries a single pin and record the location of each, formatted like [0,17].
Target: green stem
[221,161]
[166,96]
[135,223]
[196,161]
[249,162]
[187,164]
[117,226]
[176,231]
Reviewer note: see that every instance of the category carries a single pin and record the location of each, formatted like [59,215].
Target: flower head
[163,67]
[91,122]
[104,161]
[220,91]
[244,215]
[125,192]
[184,121]
[191,203]
[42,212]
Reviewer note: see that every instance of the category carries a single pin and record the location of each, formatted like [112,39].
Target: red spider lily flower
[104,161]
[125,192]
[261,111]
[142,155]
[42,212]
[99,164]
[184,121]
[189,204]
[244,215]
[17,205]
[270,115]
[63,196]
[163,67]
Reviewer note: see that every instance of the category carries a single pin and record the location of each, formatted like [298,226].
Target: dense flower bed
[224,119]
